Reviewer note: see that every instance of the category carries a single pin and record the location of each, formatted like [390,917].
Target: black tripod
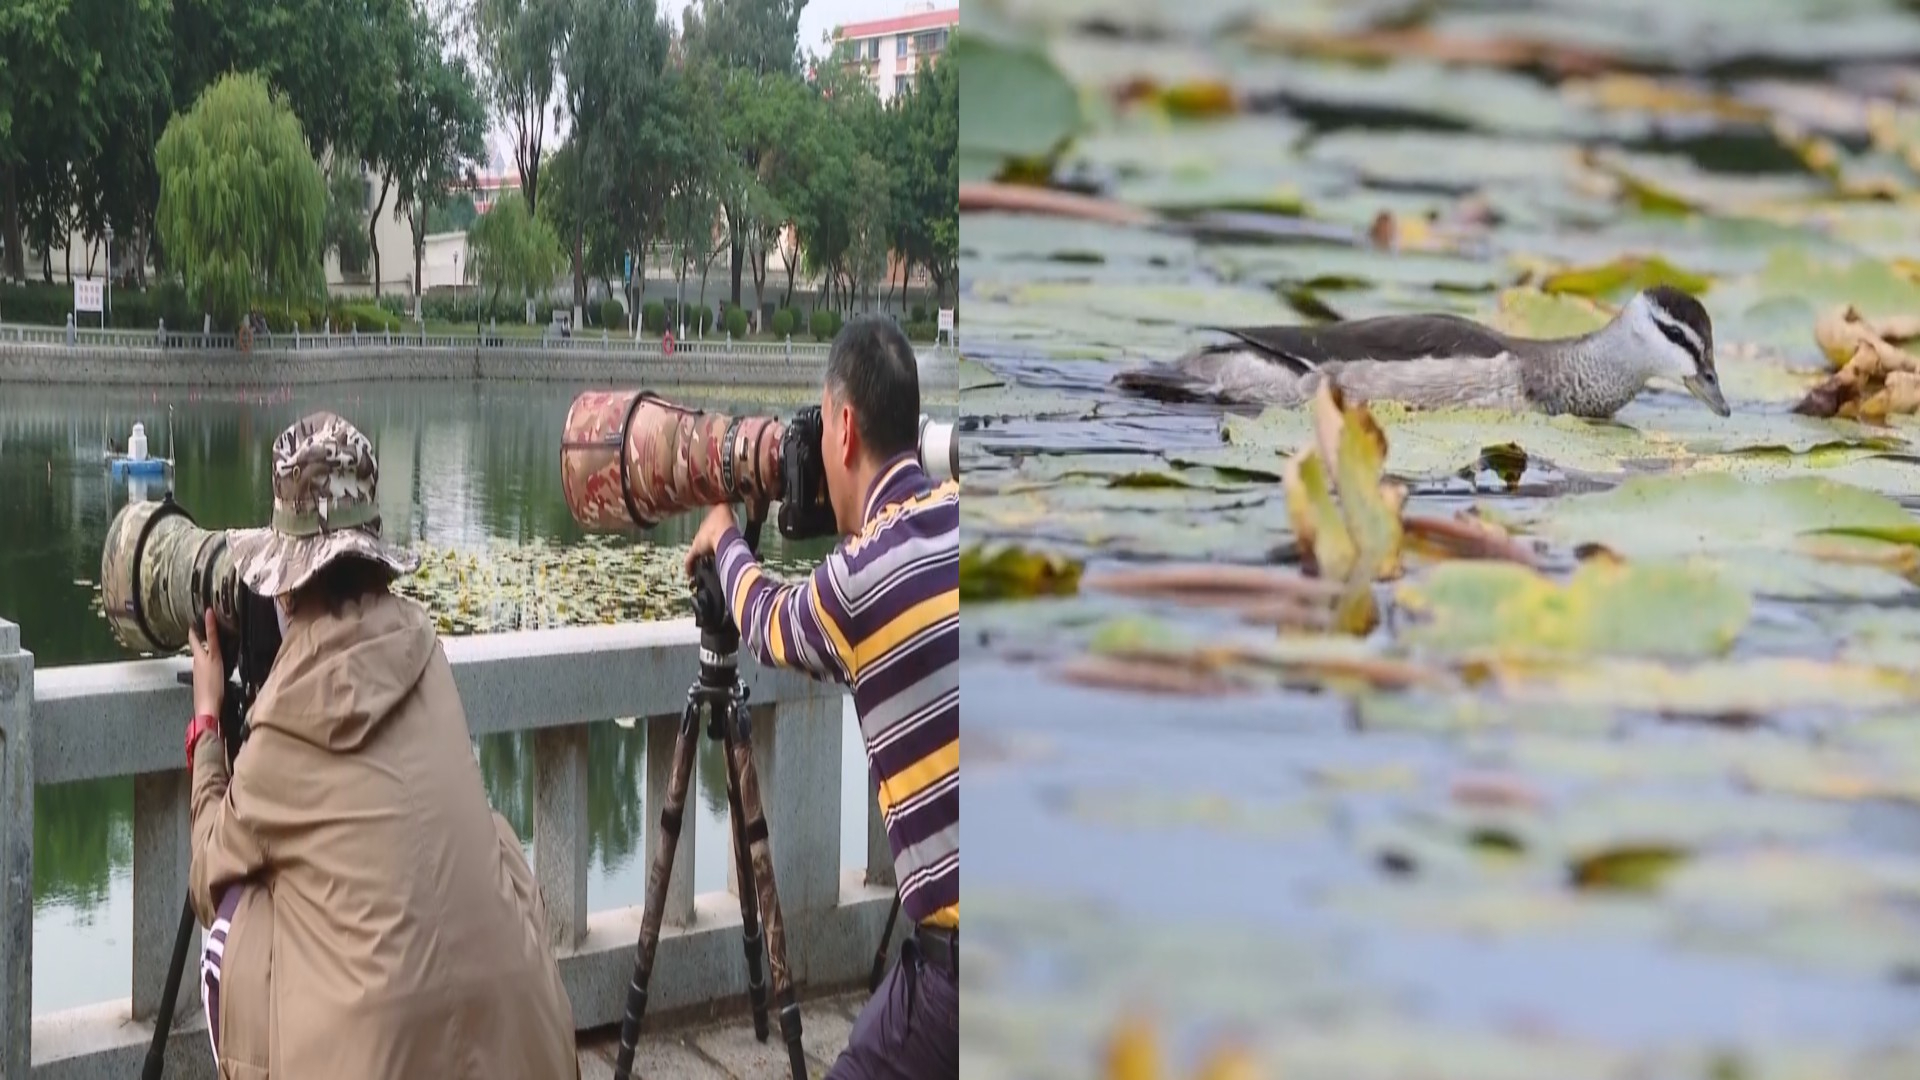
[248,657]
[718,689]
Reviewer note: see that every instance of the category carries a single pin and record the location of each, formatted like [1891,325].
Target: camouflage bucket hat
[325,482]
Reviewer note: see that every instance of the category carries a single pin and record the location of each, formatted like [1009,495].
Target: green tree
[520,43]
[131,94]
[760,37]
[442,129]
[925,141]
[456,214]
[595,44]
[513,250]
[83,84]
[869,216]
[572,208]
[335,63]
[241,200]
[843,125]
[638,160]
[344,232]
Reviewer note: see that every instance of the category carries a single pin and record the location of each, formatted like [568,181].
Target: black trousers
[910,1027]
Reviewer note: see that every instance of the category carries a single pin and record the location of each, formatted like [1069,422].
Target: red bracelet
[201,725]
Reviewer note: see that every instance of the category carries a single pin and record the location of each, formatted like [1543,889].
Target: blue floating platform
[146,467]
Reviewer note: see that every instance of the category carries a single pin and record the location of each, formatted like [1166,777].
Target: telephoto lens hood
[630,459]
[159,571]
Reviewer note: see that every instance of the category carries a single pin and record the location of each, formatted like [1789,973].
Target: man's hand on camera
[209,674]
[707,540]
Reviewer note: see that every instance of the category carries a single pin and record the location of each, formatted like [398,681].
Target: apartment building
[889,51]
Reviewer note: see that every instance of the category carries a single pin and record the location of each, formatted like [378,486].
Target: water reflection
[461,466]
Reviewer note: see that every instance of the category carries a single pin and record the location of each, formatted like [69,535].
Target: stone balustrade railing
[712,345]
[125,719]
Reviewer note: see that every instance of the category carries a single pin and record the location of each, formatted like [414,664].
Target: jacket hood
[338,677]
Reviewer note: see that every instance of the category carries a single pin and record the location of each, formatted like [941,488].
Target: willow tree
[514,250]
[242,202]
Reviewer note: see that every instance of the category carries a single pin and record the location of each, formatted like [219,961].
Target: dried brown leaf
[1211,583]
[1465,536]
[1842,330]
[1876,379]
[1497,789]
[1150,672]
[1025,199]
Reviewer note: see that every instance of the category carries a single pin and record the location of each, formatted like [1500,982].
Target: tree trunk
[738,249]
[759,281]
[372,245]
[526,149]
[579,282]
[788,259]
[579,237]
[15,268]
[417,222]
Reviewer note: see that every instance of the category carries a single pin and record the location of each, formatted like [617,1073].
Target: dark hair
[342,581]
[871,367]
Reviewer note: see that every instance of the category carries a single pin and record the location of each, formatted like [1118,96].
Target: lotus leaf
[1607,608]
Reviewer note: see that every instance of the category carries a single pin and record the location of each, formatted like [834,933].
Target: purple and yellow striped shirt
[882,615]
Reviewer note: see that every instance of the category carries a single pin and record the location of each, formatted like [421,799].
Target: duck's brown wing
[1388,338]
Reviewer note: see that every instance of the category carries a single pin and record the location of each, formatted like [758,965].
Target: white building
[889,51]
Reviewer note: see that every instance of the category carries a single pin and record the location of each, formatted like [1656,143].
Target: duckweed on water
[535,585]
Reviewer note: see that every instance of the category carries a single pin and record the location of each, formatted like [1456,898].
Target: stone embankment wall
[109,365]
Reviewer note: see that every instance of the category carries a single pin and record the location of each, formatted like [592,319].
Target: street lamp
[109,319]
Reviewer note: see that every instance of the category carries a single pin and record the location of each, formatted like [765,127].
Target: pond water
[1649,809]
[470,469]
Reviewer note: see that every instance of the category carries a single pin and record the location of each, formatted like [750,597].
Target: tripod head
[719,637]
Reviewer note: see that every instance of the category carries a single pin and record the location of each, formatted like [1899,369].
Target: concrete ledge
[699,971]
[96,1041]
[102,720]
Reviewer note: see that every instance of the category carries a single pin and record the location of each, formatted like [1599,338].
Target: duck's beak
[1708,391]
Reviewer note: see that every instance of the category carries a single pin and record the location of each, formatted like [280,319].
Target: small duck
[1443,361]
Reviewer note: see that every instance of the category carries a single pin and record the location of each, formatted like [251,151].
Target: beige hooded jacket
[391,927]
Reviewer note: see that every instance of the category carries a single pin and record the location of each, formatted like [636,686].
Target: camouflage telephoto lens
[158,571]
[630,459]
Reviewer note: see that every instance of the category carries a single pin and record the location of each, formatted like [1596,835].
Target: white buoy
[937,449]
[137,443]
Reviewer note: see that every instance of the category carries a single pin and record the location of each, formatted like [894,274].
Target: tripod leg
[657,876]
[753,942]
[163,1023]
[740,753]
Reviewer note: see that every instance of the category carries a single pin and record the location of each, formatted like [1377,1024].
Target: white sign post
[946,325]
[87,296]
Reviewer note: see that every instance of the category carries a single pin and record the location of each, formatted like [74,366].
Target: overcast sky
[817,18]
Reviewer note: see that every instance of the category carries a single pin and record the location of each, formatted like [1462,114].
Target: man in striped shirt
[882,616]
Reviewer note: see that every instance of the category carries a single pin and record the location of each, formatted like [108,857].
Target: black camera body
[247,652]
[805,511]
